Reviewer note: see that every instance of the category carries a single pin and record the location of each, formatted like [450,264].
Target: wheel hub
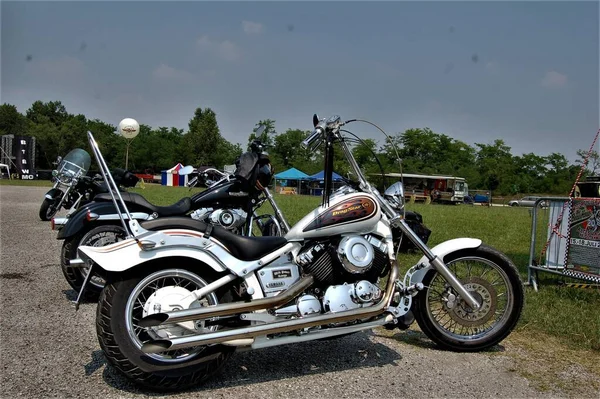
[169,299]
[484,293]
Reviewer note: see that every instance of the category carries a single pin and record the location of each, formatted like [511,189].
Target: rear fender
[107,213]
[442,250]
[127,254]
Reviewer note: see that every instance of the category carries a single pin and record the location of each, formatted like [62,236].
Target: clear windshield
[459,186]
[75,163]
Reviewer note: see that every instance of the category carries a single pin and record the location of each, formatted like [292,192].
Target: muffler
[227,309]
[161,345]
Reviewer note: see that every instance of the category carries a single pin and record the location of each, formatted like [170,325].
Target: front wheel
[48,209]
[494,282]
[122,303]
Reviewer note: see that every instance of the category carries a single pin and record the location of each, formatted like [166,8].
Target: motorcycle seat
[242,247]
[181,207]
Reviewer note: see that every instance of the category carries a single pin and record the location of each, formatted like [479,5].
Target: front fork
[438,264]
[62,199]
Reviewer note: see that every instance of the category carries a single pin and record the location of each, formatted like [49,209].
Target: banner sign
[583,254]
[22,151]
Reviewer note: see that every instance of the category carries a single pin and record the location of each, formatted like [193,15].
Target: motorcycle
[182,295]
[231,202]
[69,173]
[80,188]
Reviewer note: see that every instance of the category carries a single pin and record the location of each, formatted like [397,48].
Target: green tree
[12,121]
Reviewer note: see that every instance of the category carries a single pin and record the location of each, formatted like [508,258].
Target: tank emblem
[352,210]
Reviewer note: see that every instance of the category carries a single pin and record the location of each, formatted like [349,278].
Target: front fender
[127,254]
[442,250]
[54,193]
[77,221]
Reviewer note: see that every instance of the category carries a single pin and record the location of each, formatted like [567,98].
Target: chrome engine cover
[356,254]
[340,298]
[228,218]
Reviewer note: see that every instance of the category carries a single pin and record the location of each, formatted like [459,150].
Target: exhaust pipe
[161,345]
[227,309]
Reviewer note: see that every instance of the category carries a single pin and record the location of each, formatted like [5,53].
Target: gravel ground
[49,350]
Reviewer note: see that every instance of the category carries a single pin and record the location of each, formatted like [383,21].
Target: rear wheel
[494,282]
[123,303]
[75,275]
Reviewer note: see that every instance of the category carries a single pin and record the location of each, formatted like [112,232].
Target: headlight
[55,173]
[395,195]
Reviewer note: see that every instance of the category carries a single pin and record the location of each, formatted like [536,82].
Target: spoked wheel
[123,303]
[75,275]
[494,282]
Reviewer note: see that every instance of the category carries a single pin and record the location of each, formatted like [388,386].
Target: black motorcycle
[232,203]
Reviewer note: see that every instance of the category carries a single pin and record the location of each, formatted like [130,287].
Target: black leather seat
[181,207]
[244,248]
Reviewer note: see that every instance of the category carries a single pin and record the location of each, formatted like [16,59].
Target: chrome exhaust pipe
[161,345]
[227,309]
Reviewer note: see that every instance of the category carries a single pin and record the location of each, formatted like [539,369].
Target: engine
[230,219]
[346,274]
[353,258]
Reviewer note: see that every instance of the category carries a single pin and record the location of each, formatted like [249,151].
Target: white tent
[5,166]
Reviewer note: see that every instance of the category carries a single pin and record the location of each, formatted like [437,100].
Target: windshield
[459,186]
[75,163]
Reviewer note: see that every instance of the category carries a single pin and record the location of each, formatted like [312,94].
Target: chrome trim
[155,346]
[227,309]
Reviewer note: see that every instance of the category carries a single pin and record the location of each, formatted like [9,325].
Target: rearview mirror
[186,170]
[315,120]
[260,130]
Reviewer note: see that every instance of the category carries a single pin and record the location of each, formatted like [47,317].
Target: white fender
[124,255]
[442,250]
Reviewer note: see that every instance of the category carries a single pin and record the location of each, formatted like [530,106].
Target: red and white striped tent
[171,177]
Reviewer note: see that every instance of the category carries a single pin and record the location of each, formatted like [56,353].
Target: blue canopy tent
[321,176]
[319,179]
[292,174]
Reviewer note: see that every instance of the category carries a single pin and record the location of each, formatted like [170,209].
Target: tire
[47,210]
[144,369]
[513,289]
[76,275]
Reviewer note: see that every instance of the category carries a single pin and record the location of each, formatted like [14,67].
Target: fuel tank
[351,213]
[226,194]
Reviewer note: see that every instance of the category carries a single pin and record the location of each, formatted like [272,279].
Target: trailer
[436,188]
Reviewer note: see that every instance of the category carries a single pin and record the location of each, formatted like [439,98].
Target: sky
[525,72]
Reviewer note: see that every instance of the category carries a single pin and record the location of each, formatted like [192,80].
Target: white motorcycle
[182,295]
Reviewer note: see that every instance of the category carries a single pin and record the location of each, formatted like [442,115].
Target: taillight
[89,216]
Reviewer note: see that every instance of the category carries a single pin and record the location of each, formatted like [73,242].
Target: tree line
[487,166]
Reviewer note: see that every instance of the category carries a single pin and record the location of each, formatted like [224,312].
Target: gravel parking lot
[49,350]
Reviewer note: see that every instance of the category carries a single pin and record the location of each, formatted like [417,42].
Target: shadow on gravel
[420,340]
[355,351]
[71,295]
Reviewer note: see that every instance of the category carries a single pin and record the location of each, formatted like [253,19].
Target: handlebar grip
[314,136]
